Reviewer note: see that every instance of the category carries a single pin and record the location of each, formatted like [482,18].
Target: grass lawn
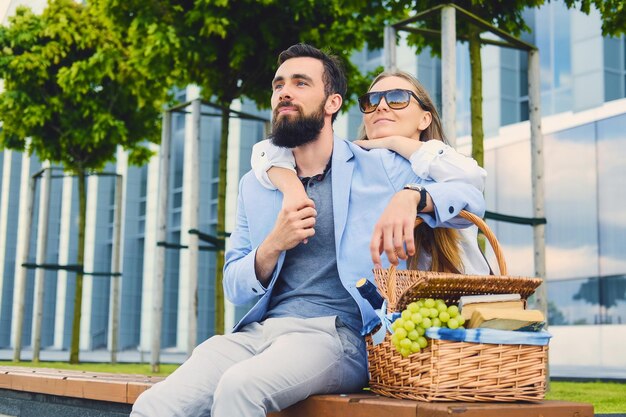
[119,368]
[606,397]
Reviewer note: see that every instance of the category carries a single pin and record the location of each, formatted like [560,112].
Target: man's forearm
[265,262]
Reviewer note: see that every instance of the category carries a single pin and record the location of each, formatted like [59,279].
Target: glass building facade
[139,222]
[583,105]
[583,90]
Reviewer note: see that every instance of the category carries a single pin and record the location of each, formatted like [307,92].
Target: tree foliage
[70,88]
[229,49]
[503,14]
[72,94]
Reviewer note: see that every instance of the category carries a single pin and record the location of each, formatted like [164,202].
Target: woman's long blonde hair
[442,244]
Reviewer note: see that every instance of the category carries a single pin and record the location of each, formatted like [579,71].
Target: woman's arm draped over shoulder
[432,160]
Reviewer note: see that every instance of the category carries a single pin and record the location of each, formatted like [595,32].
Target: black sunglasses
[396,99]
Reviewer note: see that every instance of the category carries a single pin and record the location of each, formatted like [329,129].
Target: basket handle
[483,227]
[491,237]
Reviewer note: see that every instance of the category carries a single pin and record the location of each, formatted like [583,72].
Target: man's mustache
[286,104]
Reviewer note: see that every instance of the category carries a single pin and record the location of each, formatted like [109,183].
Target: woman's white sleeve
[437,161]
[266,155]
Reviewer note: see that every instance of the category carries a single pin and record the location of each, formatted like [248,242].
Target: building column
[7,157]
[65,234]
[149,251]
[23,244]
[89,261]
[188,220]
[232,190]
[6,274]
[117,260]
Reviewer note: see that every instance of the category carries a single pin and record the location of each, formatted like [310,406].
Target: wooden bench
[124,389]
[117,388]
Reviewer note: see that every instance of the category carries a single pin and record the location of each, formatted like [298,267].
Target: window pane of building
[613,85]
[571,208]
[574,302]
[612,194]
[562,51]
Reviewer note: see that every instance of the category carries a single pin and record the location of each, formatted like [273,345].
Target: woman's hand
[399,144]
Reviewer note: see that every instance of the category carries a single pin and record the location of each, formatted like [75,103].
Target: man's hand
[293,225]
[394,229]
[295,200]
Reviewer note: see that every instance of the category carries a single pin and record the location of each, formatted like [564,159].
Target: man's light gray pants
[263,368]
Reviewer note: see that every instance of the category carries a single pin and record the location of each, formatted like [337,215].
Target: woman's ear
[426,120]
[333,103]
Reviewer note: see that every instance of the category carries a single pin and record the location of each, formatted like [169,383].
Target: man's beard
[292,131]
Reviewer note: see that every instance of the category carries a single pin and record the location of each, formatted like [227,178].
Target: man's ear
[426,120]
[333,104]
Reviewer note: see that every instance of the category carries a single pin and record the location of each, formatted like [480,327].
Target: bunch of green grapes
[408,330]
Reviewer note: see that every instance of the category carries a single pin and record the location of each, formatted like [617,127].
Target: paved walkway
[588,372]
[127,356]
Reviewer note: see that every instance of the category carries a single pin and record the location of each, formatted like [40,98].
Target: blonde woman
[399,115]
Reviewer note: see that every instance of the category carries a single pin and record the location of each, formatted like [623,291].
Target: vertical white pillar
[192,159]
[448,73]
[65,234]
[7,156]
[93,183]
[149,251]
[24,226]
[116,251]
[235,147]
[537,166]
[390,49]
[161,235]
[42,246]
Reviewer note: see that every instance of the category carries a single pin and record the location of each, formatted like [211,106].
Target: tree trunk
[476,106]
[78,294]
[476,98]
[221,220]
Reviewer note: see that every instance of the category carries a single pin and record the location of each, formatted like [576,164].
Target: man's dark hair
[334,75]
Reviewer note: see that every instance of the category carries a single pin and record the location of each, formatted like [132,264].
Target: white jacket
[434,160]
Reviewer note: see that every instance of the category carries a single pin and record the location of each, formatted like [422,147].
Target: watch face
[413,186]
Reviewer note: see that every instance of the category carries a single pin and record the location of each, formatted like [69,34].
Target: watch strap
[423,199]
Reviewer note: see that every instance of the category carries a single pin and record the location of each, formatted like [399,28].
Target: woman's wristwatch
[420,189]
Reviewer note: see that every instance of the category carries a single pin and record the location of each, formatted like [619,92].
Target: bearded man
[304,334]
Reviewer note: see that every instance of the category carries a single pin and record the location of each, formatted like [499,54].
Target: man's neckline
[318,177]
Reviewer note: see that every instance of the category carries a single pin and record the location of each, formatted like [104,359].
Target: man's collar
[318,177]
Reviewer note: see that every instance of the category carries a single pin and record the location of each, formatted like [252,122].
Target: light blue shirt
[362,183]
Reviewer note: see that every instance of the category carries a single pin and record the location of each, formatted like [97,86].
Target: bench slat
[124,389]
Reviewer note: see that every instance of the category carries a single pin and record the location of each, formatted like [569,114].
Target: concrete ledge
[27,404]
[118,388]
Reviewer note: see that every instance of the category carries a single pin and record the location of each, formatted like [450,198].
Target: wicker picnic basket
[456,371]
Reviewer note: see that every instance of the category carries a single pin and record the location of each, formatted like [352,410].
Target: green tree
[71,87]
[503,14]
[229,48]
[613,13]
